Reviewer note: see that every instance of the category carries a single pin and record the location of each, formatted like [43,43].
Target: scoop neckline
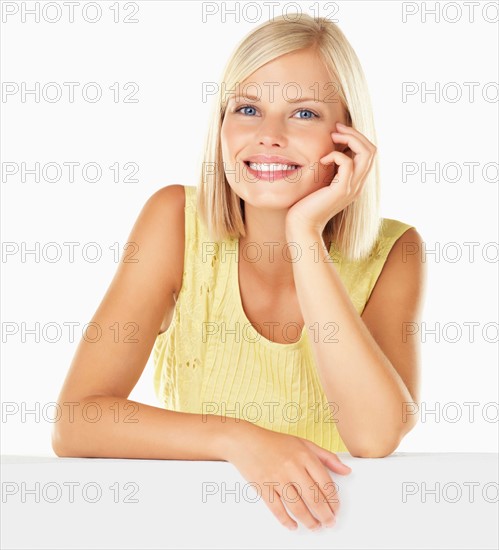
[256,336]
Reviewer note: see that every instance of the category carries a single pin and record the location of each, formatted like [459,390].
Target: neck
[264,249]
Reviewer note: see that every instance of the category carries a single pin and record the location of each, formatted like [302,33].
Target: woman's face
[273,121]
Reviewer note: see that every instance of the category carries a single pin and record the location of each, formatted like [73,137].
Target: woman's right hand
[289,467]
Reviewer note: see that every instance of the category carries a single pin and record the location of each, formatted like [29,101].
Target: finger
[355,142]
[275,505]
[316,501]
[342,160]
[329,459]
[345,172]
[361,161]
[352,131]
[363,153]
[341,138]
[327,490]
[293,496]
[330,157]
[335,465]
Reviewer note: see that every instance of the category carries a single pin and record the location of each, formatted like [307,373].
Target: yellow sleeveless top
[211,360]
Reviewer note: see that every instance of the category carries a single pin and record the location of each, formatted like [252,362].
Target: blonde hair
[355,229]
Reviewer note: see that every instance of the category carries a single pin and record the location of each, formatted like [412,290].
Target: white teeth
[271,167]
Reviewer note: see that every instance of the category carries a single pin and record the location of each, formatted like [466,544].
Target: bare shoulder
[138,299]
[404,270]
[169,193]
[394,309]
[406,255]
[166,210]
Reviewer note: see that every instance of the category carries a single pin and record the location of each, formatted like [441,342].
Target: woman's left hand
[317,208]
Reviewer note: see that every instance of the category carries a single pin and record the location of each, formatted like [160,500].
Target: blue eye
[307,111]
[244,107]
[314,115]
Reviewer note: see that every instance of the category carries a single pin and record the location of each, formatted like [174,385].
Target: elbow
[58,442]
[61,441]
[66,435]
[376,449]
[381,448]
[372,452]
[384,445]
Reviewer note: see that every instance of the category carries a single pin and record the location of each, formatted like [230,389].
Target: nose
[271,133]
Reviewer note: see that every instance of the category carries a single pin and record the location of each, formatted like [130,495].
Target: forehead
[297,74]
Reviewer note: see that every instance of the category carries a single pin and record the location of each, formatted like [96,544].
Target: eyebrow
[297,100]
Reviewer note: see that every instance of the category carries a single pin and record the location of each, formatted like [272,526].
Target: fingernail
[330,524]
[340,124]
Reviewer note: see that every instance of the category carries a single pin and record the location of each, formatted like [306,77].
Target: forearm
[127,429]
[355,373]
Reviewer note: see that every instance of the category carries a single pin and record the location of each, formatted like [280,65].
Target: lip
[270,159]
[272,175]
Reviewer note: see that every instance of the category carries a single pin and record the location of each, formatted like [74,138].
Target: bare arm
[98,419]
[127,429]
[369,373]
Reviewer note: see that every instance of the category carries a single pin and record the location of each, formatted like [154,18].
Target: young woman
[273,296]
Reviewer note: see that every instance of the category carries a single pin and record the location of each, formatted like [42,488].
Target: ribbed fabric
[211,360]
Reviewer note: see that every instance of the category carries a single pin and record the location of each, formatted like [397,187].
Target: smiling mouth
[272,172]
[271,167]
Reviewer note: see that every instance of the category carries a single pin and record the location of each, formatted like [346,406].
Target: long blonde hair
[355,229]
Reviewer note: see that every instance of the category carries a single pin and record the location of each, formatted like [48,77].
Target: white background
[169,53]
[155,502]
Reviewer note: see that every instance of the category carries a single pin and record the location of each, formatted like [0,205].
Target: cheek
[226,141]
[228,137]
[322,174]
[317,141]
